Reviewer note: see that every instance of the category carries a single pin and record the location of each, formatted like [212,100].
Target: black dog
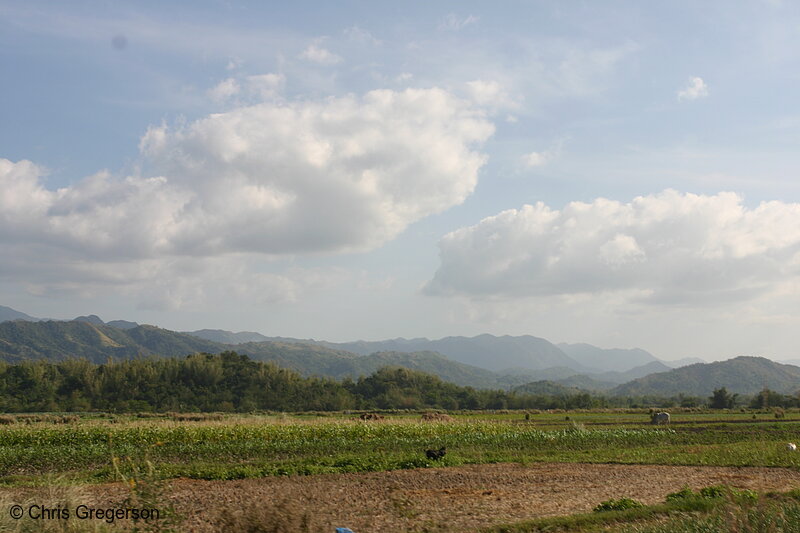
[435,455]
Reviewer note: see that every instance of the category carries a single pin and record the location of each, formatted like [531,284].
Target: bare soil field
[441,499]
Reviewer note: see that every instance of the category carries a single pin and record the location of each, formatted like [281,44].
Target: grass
[213,447]
[716,509]
[59,496]
[233,451]
[773,516]
[36,449]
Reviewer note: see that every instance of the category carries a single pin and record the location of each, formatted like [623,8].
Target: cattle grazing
[791,447]
[660,418]
[435,455]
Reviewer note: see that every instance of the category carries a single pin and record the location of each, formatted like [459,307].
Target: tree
[768,398]
[722,399]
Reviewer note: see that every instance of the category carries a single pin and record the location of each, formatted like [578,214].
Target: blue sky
[619,173]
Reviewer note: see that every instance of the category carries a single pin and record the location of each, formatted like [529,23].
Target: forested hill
[742,375]
[57,340]
[496,353]
[321,361]
[223,382]
[431,363]
[96,342]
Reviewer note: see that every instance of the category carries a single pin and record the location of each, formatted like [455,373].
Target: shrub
[684,494]
[618,505]
[714,491]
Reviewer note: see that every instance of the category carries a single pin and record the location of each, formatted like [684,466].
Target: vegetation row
[230,382]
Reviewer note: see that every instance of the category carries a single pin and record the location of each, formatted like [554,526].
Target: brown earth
[439,499]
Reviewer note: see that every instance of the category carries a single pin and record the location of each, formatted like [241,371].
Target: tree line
[230,382]
[722,399]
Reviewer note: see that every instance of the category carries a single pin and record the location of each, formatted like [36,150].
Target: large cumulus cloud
[341,174]
[272,179]
[305,177]
[665,248]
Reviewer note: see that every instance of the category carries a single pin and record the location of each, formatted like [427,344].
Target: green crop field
[82,451]
[255,446]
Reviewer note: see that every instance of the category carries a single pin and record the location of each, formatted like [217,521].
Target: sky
[618,173]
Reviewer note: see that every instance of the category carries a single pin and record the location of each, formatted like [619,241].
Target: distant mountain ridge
[742,375]
[498,354]
[86,338]
[524,355]
[686,361]
[524,359]
[228,337]
[634,373]
[607,359]
[6,314]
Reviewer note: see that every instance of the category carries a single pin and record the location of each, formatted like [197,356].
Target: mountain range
[484,361]
[6,313]
[742,375]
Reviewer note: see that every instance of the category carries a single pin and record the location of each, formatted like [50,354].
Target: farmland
[48,450]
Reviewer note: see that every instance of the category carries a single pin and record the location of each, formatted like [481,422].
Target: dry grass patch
[285,516]
[437,417]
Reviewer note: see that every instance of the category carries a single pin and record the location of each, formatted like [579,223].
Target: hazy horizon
[359,339]
[618,174]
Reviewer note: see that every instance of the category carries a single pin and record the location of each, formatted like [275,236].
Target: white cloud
[453,22]
[543,157]
[536,159]
[276,178]
[234,63]
[696,88]
[172,283]
[224,90]
[265,86]
[361,36]
[341,174]
[669,248]
[188,283]
[490,94]
[320,55]
[248,89]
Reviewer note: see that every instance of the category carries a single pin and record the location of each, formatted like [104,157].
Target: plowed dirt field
[443,499]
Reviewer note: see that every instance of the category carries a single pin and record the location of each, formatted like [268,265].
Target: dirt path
[445,499]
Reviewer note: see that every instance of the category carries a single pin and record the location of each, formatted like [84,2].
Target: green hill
[96,342]
[318,360]
[59,340]
[547,387]
[431,363]
[498,354]
[742,375]
[587,383]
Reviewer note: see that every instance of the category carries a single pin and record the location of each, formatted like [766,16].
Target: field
[499,468]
